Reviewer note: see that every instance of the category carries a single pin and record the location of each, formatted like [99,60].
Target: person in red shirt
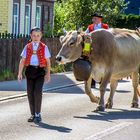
[97,24]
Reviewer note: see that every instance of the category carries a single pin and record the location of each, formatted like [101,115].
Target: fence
[11,48]
[8,35]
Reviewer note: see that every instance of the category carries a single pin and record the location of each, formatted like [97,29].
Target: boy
[35,57]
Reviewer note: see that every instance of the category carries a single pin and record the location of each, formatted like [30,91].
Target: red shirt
[91,27]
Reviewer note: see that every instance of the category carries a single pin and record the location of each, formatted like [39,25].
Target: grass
[61,68]
[6,75]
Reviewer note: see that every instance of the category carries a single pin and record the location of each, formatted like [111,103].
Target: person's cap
[96,15]
[35,29]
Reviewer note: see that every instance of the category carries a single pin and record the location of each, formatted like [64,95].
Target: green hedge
[128,21]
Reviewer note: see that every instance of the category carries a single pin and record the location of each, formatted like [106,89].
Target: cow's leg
[135,81]
[103,86]
[89,92]
[113,86]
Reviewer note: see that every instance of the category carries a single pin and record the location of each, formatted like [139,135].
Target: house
[19,16]
[133,7]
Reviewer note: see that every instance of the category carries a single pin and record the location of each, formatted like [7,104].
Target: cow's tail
[138,91]
[139,84]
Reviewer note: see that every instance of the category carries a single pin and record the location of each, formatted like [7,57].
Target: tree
[77,13]
[58,19]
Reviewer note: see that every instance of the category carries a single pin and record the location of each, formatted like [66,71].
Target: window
[38,16]
[27,19]
[15,25]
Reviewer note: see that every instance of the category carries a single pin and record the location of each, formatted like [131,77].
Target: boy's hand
[19,77]
[47,78]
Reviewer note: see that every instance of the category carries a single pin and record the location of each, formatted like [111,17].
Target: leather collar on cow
[86,45]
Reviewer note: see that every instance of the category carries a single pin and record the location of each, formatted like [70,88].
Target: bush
[7,75]
[128,21]
[61,68]
[48,30]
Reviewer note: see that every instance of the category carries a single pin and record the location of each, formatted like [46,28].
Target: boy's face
[96,20]
[36,36]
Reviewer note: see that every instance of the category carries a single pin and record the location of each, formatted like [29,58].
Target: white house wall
[22,16]
[33,13]
[10,16]
[44,19]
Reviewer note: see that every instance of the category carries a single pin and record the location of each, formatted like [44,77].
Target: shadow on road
[69,90]
[113,115]
[53,127]
[119,91]
[123,81]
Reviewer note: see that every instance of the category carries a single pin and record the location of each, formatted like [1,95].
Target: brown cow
[115,54]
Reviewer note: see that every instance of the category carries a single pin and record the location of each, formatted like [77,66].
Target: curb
[44,90]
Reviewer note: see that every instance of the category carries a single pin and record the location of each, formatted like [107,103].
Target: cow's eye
[72,43]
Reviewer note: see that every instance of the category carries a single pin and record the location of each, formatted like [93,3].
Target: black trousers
[35,80]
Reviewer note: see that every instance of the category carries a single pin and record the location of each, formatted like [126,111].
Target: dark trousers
[35,80]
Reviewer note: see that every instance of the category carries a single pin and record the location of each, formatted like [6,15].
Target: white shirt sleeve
[23,54]
[47,52]
[87,31]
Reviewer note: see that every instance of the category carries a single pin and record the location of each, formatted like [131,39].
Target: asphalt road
[68,114]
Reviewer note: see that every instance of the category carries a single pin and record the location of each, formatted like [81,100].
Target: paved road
[15,89]
[69,115]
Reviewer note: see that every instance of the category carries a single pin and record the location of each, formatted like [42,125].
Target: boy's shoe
[31,119]
[37,119]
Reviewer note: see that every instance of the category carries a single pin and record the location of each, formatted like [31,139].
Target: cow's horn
[64,31]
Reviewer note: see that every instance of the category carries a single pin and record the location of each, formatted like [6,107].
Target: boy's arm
[21,66]
[48,69]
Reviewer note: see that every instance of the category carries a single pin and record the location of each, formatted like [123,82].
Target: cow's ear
[79,39]
[61,38]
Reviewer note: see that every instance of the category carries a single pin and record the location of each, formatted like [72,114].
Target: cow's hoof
[95,100]
[135,105]
[108,105]
[100,108]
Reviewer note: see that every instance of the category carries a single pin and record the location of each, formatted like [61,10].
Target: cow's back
[118,49]
[128,51]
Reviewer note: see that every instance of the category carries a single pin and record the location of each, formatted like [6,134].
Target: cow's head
[71,47]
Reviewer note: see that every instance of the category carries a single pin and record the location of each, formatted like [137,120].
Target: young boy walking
[35,57]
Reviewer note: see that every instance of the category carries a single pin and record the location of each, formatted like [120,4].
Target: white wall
[10,15]
[22,16]
[33,14]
